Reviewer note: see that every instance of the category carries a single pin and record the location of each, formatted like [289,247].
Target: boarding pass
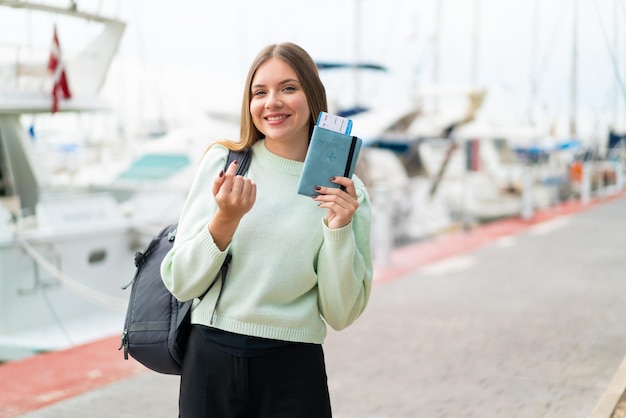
[334,123]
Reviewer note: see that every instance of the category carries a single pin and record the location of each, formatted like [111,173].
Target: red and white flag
[59,79]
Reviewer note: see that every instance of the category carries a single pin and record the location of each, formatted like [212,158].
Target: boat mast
[615,80]
[574,90]
[437,48]
[533,62]
[357,53]
[475,43]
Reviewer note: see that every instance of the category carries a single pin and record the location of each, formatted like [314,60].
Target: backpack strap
[243,158]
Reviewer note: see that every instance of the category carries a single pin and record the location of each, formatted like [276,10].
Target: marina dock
[516,318]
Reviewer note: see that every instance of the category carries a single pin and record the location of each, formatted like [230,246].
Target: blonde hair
[308,75]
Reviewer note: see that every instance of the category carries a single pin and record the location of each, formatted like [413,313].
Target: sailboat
[63,256]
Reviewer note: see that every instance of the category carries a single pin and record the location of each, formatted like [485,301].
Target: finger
[242,196]
[238,185]
[349,195]
[337,203]
[334,199]
[232,168]
[325,191]
[346,184]
[243,188]
[217,183]
[248,191]
[229,176]
[253,191]
[337,215]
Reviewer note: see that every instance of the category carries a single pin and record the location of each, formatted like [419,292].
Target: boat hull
[61,290]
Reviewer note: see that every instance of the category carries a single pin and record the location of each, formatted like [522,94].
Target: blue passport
[330,154]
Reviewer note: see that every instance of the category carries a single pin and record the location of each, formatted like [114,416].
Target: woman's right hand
[234,195]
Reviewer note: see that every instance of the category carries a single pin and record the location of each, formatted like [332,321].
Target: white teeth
[275,118]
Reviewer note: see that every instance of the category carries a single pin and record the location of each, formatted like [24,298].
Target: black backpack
[157,325]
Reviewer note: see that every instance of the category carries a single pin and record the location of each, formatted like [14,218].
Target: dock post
[585,186]
[527,211]
[619,176]
[382,231]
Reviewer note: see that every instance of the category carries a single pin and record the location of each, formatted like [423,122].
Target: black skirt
[269,379]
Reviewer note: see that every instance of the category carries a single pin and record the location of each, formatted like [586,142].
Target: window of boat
[155,167]
[506,154]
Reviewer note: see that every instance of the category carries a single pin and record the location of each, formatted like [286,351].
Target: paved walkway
[517,319]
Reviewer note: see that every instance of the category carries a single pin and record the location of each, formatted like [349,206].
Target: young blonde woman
[298,263]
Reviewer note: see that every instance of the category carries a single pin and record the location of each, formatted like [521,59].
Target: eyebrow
[287,81]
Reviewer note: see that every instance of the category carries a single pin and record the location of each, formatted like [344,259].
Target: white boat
[63,256]
[432,144]
[152,181]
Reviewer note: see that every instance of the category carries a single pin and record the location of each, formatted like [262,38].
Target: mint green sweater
[290,274]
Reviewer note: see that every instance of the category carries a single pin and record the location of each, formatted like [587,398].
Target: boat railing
[86,57]
[24,69]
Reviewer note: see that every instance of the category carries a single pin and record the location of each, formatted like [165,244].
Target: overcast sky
[182,58]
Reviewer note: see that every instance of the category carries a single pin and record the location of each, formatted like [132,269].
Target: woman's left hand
[341,205]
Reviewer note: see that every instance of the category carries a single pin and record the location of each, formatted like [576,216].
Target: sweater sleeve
[194,261]
[345,267]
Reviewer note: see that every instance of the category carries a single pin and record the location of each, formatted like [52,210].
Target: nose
[273,100]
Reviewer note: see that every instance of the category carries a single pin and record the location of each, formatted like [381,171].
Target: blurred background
[544,63]
[470,110]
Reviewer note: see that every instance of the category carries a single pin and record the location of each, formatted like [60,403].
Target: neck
[293,150]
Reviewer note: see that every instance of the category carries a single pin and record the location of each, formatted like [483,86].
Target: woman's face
[278,105]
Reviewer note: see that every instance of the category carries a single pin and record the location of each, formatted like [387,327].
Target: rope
[57,319]
[610,52]
[100,298]
[544,61]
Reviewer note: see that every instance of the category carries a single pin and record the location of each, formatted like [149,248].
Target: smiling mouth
[276,118]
